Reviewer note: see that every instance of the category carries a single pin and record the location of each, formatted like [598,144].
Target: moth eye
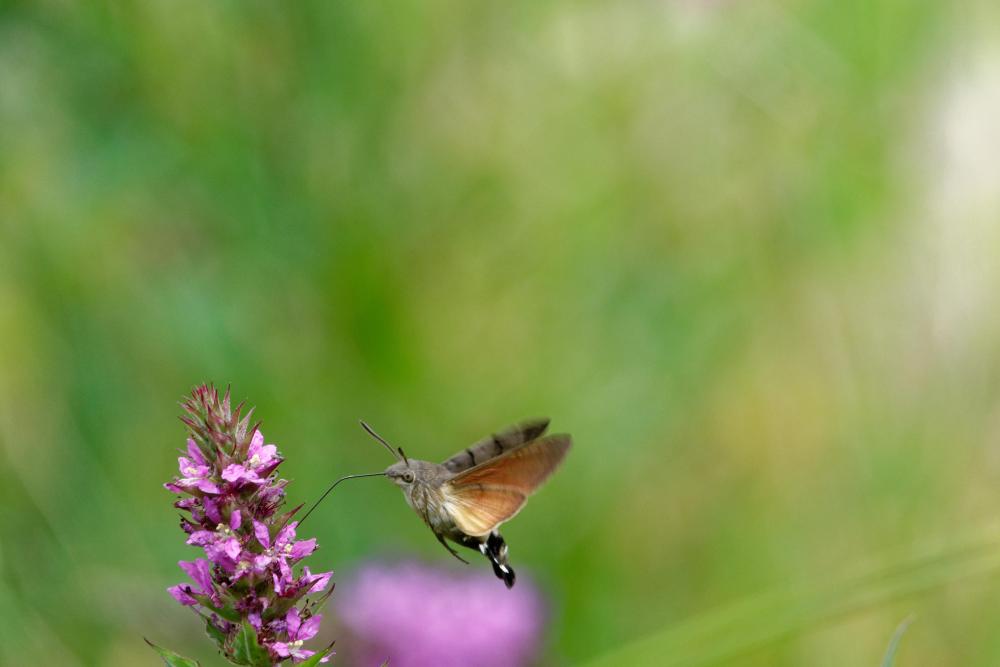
[408,477]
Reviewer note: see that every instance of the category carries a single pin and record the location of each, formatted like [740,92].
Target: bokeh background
[746,252]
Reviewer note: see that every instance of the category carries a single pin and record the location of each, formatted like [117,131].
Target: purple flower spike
[232,497]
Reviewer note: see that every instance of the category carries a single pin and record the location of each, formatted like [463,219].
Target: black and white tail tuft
[495,549]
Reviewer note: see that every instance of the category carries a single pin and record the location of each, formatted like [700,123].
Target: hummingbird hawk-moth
[466,498]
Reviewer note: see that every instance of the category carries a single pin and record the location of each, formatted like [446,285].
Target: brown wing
[483,497]
[479,509]
[496,444]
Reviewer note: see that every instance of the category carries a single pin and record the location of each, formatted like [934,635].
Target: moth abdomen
[495,548]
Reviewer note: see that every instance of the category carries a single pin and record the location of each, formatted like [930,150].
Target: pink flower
[261,461]
[285,545]
[211,510]
[297,632]
[260,457]
[221,546]
[195,472]
[200,571]
[232,501]
[317,583]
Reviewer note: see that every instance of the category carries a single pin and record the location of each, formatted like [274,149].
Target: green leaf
[890,654]
[247,650]
[172,659]
[316,657]
[227,612]
[215,634]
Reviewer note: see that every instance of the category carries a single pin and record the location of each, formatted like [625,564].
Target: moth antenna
[375,435]
[403,454]
[332,486]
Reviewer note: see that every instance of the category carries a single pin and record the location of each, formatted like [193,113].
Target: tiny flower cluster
[246,587]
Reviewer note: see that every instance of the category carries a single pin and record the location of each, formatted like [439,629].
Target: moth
[466,498]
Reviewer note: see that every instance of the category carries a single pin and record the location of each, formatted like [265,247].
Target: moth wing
[483,497]
[523,468]
[494,445]
[477,510]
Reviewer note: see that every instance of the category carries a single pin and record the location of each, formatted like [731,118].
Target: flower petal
[256,442]
[195,452]
[202,538]
[200,572]
[261,562]
[292,622]
[212,511]
[179,593]
[263,536]
[285,569]
[286,534]
[234,472]
[317,582]
[302,548]
[235,520]
[231,547]
[267,453]
[190,468]
[207,486]
[309,628]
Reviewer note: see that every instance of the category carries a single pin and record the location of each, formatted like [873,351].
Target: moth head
[402,473]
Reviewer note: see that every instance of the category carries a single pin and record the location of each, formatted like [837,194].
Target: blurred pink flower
[417,616]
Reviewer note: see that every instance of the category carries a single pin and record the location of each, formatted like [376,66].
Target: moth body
[424,492]
[466,498]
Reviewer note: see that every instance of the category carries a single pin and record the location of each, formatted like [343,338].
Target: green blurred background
[746,252]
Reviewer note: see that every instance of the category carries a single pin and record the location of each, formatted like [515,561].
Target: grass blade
[897,636]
